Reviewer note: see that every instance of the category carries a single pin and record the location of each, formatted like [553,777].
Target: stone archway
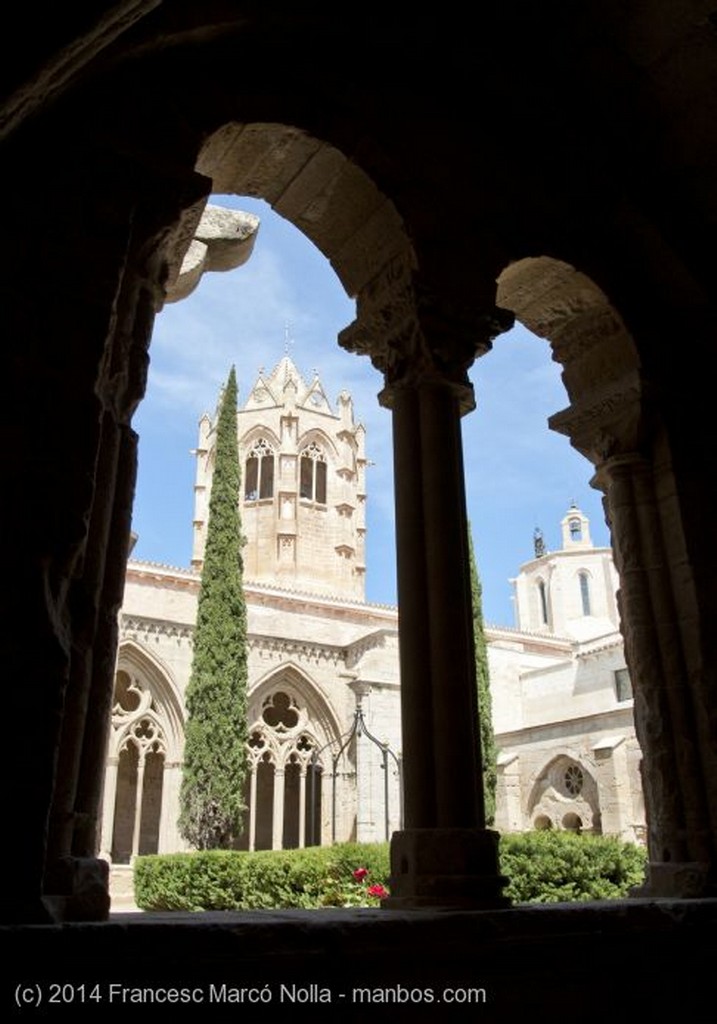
[291,730]
[564,796]
[140,798]
[424,311]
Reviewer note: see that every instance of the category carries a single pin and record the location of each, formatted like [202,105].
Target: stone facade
[323,664]
[325,746]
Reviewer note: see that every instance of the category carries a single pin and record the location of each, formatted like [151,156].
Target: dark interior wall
[576,134]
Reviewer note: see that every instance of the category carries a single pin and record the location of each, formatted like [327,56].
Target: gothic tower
[570,592]
[303,486]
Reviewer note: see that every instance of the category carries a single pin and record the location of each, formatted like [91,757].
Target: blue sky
[519,474]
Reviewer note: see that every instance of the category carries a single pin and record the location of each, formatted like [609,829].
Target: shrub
[319,876]
[557,866]
[542,867]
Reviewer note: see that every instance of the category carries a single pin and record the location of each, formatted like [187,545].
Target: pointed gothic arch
[321,439]
[143,756]
[291,727]
[564,794]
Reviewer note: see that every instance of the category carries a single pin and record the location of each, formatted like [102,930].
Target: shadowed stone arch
[587,336]
[601,366]
[315,186]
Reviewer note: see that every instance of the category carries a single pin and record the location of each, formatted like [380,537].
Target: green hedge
[557,866]
[319,876]
[542,867]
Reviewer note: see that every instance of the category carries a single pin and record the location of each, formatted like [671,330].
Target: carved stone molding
[140,628]
[415,334]
[279,649]
[615,419]
[223,240]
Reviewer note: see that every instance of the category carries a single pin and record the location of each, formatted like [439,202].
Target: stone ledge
[636,956]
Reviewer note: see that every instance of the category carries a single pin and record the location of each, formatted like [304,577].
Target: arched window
[543,594]
[312,484]
[284,786]
[576,529]
[585,592]
[137,778]
[259,472]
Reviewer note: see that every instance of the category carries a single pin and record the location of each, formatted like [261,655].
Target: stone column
[277,831]
[444,857]
[676,810]
[509,797]
[622,430]
[96,281]
[138,801]
[252,806]
[108,808]
[365,824]
[169,838]
[613,784]
[302,806]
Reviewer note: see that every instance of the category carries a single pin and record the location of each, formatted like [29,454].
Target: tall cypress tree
[211,796]
[485,704]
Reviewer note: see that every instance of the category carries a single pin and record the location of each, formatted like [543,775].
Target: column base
[684,881]
[451,868]
[78,889]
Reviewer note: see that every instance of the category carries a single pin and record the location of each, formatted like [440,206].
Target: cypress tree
[211,797]
[485,704]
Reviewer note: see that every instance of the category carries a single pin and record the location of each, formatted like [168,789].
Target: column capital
[613,421]
[416,333]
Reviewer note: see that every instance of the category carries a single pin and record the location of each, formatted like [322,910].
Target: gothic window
[284,788]
[141,753]
[585,592]
[573,779]
[280,712]
[543,594]
[259,472]
[313,474]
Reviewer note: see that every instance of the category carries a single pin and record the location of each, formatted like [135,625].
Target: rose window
[573,779]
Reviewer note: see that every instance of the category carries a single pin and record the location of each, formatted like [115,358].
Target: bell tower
[303,492]
[570,592]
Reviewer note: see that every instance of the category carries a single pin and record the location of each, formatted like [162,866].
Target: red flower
[359,874]
[378,891]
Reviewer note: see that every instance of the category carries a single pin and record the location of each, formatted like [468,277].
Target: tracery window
[259,472]
[312,484]
[284,792]
[573,779]
[140,748]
